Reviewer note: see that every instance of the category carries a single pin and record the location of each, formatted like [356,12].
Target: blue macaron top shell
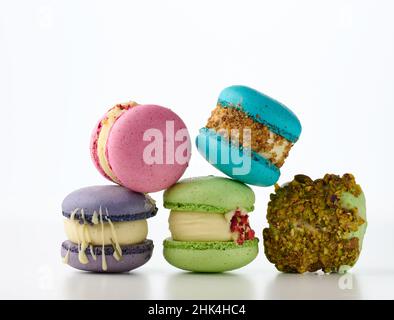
[114,202]
[262,109]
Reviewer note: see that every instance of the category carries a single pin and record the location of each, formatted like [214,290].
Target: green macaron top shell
[209,194]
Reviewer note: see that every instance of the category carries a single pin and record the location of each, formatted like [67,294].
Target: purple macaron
[95,209]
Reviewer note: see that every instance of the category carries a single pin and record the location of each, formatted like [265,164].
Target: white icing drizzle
[72,218]
[114,239]
[117,254]
[103,260]
[82,257]
[95,219]
[72,215]
[85,229]
[92,252]
[84,238]
[66,257]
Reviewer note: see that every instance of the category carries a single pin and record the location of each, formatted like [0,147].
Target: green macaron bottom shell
[349,201]
[209,256]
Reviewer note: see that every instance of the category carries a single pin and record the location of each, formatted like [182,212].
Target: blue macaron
[255,156]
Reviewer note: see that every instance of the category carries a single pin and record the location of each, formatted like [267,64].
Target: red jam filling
[240,225]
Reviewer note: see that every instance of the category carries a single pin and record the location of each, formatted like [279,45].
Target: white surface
[63,63]
[34,270]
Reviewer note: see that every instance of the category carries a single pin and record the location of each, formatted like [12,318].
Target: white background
[64,63]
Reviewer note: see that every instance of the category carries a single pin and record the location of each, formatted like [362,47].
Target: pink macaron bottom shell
[131,137]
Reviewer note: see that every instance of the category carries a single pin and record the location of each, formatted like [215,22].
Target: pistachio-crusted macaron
[316,224]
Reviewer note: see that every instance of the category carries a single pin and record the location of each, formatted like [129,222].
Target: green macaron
[218,197]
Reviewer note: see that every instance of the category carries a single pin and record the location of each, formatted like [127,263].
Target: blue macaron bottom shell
[133,256]
[236,162]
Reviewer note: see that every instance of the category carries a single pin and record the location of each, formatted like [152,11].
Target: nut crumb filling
[263,141]
[309,229]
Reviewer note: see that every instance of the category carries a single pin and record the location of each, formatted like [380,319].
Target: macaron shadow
[82,285]
[315,286]
[193,285]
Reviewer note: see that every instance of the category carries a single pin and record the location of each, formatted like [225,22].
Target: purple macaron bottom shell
[133,256]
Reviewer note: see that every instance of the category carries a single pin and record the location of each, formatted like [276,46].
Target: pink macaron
[145,148]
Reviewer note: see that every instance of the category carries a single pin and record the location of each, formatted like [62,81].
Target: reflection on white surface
[313,286]
[187,285]
[45,277]
[84,285]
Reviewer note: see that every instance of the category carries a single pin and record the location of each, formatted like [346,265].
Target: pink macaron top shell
[126,145]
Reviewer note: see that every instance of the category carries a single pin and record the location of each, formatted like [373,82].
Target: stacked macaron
[127,146]
[106,229]
[106,226]
[209,225]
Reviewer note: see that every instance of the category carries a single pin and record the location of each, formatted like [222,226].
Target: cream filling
[279,150]
[201,226]
[118,233]
[106,125]
[102,232]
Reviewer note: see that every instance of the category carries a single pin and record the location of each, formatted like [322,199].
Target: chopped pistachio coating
[310,229]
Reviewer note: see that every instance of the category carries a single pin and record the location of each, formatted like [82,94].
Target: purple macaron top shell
[115,202]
